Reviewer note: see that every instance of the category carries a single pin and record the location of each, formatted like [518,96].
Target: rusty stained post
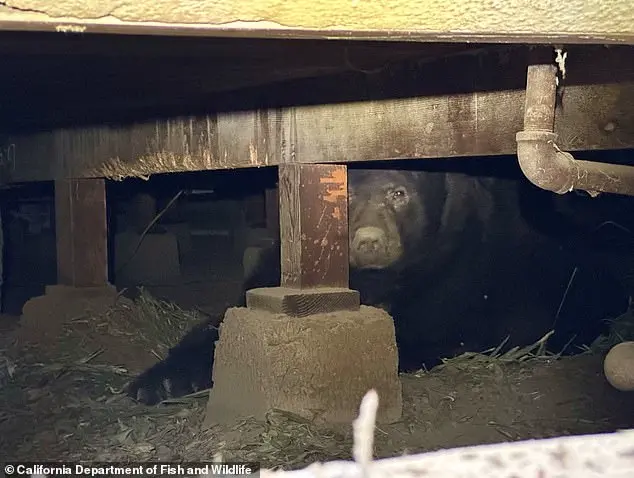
[313,217]
[81,232]
[541,160]
[314,225]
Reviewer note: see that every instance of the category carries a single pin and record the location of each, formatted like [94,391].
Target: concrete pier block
[154,260]
[318,367]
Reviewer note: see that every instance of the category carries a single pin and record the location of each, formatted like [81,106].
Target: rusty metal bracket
[541,160]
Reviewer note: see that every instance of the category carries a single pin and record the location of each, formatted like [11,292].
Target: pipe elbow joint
[541,162]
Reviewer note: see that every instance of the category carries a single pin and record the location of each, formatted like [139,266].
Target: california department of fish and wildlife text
[41,470]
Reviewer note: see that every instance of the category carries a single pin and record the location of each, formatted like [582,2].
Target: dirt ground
[66,364]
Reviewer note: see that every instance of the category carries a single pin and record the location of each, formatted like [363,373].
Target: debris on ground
[63,400]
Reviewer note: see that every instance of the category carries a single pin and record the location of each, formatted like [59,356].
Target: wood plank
[481,123]
[539,21]
[215,50]
[314,225]
[400,114]
[302,302]
[81,230]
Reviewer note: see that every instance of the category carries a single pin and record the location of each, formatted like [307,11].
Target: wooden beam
[470,124]
[539,21]
[313,225]
[465,106]
[81,229]
[41,45]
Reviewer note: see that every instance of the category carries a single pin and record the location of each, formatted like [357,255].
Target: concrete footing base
[58,290]
[70,298]
[154,260]
[318,367]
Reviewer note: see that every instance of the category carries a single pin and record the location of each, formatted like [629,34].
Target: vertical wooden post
[313,202]
[313,208]
[314,225]
[81,230]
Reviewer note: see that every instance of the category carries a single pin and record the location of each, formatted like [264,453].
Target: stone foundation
[318,367]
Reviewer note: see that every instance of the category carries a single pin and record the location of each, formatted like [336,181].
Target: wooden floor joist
[444,114]
[574,21]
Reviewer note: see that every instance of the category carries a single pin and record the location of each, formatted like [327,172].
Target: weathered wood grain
[595,117]
[314,225]
[429,20]
[463,106]
[302,302]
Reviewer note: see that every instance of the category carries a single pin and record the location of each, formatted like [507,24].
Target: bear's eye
[398,195]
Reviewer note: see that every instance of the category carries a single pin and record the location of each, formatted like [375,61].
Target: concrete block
[259,237]
[61,302]
[318,367]
[59,290]
[183,236]
[256,241]
[302,302]
[155,262]
[250,259]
